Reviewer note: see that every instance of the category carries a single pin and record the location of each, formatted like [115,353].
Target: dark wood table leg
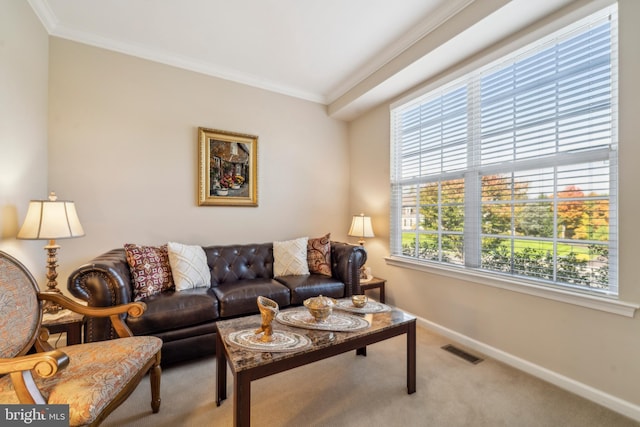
[361,351]
[411,357]
[73,330]
[382,298]
[221,371]
[241,400]
[74,334]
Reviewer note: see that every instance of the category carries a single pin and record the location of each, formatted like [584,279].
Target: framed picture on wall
[227,168]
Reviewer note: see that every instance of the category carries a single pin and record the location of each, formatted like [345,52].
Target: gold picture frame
[227,168]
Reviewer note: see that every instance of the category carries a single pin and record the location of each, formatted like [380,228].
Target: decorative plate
[282,341]
[338,322]
[370,306]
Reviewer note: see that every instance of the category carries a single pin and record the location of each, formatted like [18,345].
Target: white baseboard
[607,400]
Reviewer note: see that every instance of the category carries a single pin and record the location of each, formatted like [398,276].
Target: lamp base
[51,307]
[52,275]
[365,274]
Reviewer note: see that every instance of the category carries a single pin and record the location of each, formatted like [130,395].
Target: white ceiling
[317,50]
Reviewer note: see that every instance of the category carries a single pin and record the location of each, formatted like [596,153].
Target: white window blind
[512,169]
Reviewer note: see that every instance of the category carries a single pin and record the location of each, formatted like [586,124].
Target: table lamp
[50,220]
[361,227]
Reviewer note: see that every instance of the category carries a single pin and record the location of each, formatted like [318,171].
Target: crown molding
[183,62]
[45,14]
[54,28]
[435,19]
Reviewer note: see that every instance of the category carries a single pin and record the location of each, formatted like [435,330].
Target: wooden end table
[65,321]
[375,283]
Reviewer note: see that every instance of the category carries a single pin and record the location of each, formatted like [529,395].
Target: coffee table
[248,365]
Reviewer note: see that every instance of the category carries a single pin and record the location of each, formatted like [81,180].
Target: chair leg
[154,378]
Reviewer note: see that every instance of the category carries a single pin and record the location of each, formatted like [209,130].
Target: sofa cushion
[188,266]
[186,333]
[174,310]
[150,270]
[290,257]
[303,287]
[237,298]
[319,255]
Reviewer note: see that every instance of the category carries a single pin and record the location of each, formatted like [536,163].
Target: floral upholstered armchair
[93,378]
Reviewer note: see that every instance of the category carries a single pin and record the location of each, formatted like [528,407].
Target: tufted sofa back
[239,262]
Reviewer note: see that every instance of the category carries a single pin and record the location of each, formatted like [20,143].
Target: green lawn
[581,250]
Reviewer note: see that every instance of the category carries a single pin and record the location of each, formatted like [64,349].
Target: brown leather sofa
[186,320]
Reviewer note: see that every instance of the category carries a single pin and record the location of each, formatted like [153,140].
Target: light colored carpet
[350,390]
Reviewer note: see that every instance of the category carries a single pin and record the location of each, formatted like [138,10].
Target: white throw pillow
[290,257]
[189,266]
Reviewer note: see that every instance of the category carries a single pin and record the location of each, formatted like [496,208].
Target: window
[512,169]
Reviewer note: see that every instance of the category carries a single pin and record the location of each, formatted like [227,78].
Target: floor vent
[462,354]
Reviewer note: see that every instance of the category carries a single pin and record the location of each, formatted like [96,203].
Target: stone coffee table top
[243,358]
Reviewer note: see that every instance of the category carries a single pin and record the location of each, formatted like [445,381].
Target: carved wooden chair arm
[133,309]
[45,364]
[42,341]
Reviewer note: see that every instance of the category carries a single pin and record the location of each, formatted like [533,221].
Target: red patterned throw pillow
[319,255]
[150,270]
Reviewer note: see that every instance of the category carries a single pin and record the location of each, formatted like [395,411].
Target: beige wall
[596,349]
[23,127]
[123,146]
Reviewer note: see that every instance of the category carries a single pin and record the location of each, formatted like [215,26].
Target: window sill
[608,305]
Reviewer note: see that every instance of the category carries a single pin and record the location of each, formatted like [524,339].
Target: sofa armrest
[346,260]
[103,282]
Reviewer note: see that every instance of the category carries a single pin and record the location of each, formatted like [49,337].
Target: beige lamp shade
[51,220]
[361,227]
